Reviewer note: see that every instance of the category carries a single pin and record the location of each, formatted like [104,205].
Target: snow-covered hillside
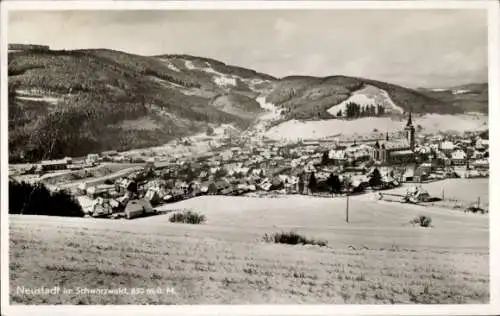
[293,129]
[220,79]
[439,90]
[368,95]
[169,65]
[256,84]
[272,112]
[453,91]
[460,91]
[37,96]
[189,65]
[225,80]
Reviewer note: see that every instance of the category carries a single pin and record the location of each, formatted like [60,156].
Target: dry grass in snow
[376,258]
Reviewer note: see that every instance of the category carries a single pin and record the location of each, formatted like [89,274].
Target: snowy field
[369,95]
[376,258]
[295,129]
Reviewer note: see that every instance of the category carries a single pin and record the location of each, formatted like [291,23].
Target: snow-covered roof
[337,154]
[54,162]
[481,162]
[447,145]
[409,172]
[395,144]
[423,149]
[458,154]
[401,153]
[482,142]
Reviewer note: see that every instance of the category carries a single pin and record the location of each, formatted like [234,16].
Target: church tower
[410,132]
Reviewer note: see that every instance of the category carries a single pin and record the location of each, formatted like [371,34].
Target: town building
[338,156]
[458,157]
[52,165]
[399,151]
[447,147]
[92,158]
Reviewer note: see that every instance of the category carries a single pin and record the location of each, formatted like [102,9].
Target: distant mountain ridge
[73,102]
[471,97]
[24,47]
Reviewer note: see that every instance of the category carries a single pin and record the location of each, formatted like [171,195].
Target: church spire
[409,123]
[410,132]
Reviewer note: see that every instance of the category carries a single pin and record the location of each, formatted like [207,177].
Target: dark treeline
[31,47]
[333,184]
[484,135]
[354,110]
[29,199]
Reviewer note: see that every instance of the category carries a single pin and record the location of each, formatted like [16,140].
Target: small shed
[137,208]
[133,209]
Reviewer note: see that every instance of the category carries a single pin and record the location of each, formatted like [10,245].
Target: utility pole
[347,208]
[347,181]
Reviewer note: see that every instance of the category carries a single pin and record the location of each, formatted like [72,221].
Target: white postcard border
[494,129]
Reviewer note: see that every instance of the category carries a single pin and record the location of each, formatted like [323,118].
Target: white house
[338,156]
[92,158]
[482,144]
[446,147]
[458,157]
[481,164]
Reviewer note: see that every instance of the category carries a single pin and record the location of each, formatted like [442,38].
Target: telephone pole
[347,208]
[347,184]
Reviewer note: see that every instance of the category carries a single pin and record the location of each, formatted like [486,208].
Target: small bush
[422,221]
[475,209]
[292,238]
[187,217]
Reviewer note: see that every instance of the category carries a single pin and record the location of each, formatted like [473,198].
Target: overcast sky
[414,48]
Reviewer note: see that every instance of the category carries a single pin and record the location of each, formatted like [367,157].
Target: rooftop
[401,153]
[395,144]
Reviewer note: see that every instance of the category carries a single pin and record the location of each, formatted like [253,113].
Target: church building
[400,151]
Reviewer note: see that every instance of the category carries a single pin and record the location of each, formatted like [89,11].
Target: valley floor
[375,258]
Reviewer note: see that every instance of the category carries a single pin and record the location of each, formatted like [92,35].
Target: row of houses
[68,163]
[238,178]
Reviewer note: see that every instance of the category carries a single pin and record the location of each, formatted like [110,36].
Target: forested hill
[73,102]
